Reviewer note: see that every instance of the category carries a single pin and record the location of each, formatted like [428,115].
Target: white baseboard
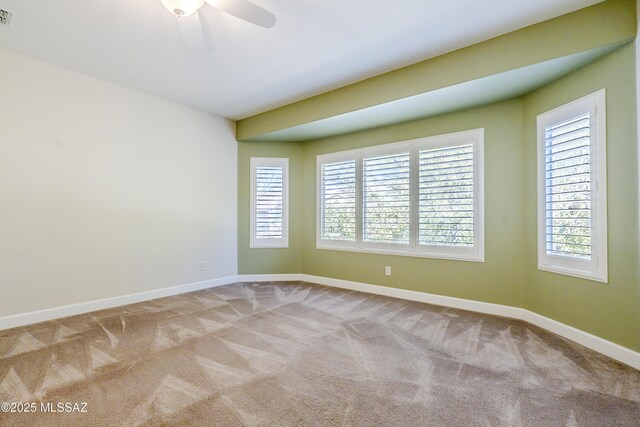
[608,348]
[9,322]
[463,304]
[270,277]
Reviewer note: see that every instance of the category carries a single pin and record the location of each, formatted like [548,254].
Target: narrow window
[446,196]
[386,199]
[572,189]
[269,202]
[338,201]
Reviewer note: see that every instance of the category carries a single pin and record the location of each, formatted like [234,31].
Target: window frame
[276,243]
[382,150]
[413,248]
[343,156]
[476,253]
[597,268]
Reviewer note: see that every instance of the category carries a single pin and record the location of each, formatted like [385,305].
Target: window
[269,202]
[449,209]
[386,199]
[417,198]
[572,203]
[338,196]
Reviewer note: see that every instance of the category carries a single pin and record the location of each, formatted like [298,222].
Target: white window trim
[596,269]
[384,150]
[475,254]
[335,158]
[282,242]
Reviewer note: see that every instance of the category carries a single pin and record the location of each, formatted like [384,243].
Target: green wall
[608,310]
[270,261]
[509,274]
[500,278]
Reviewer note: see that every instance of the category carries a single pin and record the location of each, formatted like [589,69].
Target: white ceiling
[315,46]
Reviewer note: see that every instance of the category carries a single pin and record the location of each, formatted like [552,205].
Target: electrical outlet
[5,18]
[387,270]
[204,266]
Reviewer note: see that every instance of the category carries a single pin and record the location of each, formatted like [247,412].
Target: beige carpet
[299,354]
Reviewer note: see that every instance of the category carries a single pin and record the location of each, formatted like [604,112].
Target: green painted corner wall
[509,274]
[500,278]
[269,261]
[610,310]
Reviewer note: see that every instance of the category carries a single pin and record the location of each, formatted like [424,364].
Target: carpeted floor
[298,354]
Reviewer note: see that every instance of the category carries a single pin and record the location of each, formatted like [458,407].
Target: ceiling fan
[187,13]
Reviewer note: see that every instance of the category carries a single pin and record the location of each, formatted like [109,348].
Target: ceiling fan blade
[191,30]
[246,11]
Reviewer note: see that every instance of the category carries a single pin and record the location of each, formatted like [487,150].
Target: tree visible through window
[572,201]
[269,202]
[420,197]
[446,196]
[386,205]
[568,188]
[338,194]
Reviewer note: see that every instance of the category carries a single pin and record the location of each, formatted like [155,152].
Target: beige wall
[105,191]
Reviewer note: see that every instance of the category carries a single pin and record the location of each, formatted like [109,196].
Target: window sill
[269,246]
[449,257]
[602,278]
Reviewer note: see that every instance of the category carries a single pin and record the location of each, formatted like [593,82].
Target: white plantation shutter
[269,202]
[386,199]
[269,216]
[572,202]
[446,214]
[418,198]
[338,201]
[568,188]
